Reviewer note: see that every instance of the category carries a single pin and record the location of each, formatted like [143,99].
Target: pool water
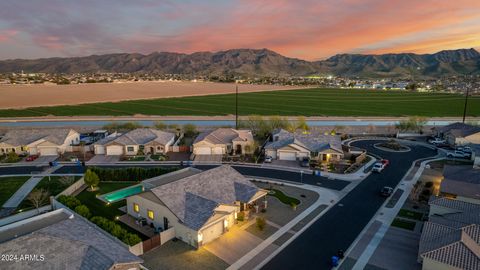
[121,194]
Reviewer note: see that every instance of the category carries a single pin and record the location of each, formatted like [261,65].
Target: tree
[91,179]
[38,197]
[302,123]
[83,211]
[160,125]
[413,123]
[261,223]
[189,130]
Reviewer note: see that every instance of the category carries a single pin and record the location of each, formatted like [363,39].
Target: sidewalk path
[22,192]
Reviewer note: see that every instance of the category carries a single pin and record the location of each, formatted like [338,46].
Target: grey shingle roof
[457,255]
[67,243]
[20,137]
[193,198]
[461,206]
[459,129]
[142,136]
[462,181]
[224,136]
[313,141]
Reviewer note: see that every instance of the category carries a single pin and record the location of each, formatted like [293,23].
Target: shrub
[116,230]
[129,174]
[263,210]
[12,157]
[240,216]
[261,222]
[69,201]
[83,211]
[426,192]
[429,184]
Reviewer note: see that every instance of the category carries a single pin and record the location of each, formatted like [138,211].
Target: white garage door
[114,150]
[48,151]
[213,232]
[218,151]
[100,150]
[32,151]
[287,156]
[203,151]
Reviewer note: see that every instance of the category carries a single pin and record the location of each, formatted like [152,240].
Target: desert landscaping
[23,96]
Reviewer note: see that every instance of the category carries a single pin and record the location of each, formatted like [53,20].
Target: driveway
[287,163]
[234,244]
[208,158]
[103,159]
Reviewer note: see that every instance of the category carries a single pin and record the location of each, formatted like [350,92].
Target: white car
[457,154]
[378,167]
[268,159]
[436,141]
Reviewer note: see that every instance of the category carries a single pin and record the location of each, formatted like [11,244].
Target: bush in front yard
[240,216]
[83,211]
[261,222]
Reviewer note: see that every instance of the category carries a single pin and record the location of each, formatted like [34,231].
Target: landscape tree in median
[91,179]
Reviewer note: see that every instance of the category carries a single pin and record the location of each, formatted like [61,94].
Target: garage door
[213,232]
[287,156]
[218,151]
[48,151]
[203,151]
[32,151]
[115,150]
[99,150]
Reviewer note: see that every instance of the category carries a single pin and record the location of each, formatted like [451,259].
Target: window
[136,208]
[130,148]
[150,214]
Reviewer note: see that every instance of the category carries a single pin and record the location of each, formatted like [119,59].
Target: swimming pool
[121,194]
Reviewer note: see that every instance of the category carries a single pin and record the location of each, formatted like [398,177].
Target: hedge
[104,223]
[130,174]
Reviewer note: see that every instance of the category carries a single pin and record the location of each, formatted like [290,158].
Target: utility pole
[236,106]
[465,107]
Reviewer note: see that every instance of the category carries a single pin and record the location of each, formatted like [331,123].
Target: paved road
[20,170]
[339,227]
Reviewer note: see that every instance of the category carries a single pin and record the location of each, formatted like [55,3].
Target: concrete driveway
[208,158]
[234,244]
[103,159]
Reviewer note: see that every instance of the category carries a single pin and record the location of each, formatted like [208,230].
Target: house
[61,239]
[146,140]
[461,183]
[459,133]
[224,141]
[451,237]
[44,142]
[286,145]
[199,205]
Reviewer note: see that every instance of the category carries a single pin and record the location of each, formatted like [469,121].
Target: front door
[152,150]
[238,151]
[165,223]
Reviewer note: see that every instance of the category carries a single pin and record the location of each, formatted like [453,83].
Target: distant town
[453,84]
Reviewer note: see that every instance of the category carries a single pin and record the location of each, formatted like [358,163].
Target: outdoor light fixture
[200,237]
[225,223]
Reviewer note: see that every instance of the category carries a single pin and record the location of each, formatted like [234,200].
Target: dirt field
[23,96]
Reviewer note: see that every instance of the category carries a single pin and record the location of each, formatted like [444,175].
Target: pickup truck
[437,141]
[458,154]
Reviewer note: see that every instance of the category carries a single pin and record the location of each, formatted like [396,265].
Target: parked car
[385,162]
[465,149]
[268,159]
[457,154]
[386,191]
[378,167]
[31,158]
[305,162]
[437,141]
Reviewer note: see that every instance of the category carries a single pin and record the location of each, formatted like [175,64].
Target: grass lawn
[410,214]
[9,185]
[99,208]
[284,198]
[404,224]
[307,102]
[54,186]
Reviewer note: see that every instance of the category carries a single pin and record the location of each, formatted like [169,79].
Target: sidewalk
[367,242]
[262,253]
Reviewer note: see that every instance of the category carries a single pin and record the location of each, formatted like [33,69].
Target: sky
[305,29]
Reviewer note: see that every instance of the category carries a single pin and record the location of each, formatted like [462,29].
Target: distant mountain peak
[259,62]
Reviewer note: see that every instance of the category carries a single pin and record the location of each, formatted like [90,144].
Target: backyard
[334,102]
[9,186]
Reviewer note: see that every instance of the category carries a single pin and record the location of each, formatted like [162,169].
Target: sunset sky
[305,29]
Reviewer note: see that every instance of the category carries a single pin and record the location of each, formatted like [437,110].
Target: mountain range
[260,62]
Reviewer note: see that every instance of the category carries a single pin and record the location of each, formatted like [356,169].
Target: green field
[307,102]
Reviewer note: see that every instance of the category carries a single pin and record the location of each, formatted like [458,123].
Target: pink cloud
[6,35]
